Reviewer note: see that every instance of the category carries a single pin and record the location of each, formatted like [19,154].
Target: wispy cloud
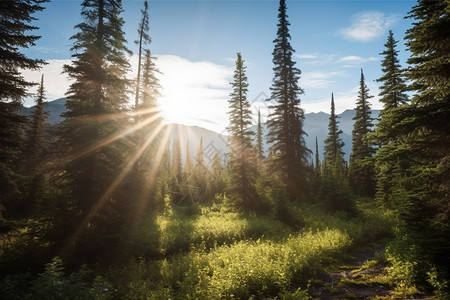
[368,25]
[55,82]
[307,56]
[318,80]
[353,60]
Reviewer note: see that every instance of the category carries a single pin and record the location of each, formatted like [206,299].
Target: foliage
[242,157]
[15,22]
[285,122]
[361,172]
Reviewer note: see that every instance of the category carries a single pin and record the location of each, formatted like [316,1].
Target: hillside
[316,125]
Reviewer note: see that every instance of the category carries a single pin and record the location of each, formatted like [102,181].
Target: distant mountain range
[315,125]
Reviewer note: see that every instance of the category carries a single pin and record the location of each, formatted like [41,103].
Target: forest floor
[361,277]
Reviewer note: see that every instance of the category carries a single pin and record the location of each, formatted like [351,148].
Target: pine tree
[242,160]
[35,139]
[334,155]
[392,95]
[361,171]
[15,23]
[144,38]
[285,123]
[317,160]
[259,138]
[188,167]
[392,90]
[96,101]
[422,126]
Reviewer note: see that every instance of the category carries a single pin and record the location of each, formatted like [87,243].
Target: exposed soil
[350,280]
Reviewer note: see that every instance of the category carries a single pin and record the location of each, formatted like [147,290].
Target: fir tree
[95,101]
[188,167]
[285,123]
[422,126]
[317,160]
[361,170]
[15,23]
[392,95]
[144,38]
[333,143]
[35,138]
[393,87]
[259,138]
[242,162]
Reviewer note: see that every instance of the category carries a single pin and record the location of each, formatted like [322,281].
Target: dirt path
[355,280]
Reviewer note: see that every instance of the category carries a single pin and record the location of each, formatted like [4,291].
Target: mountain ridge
[315,125]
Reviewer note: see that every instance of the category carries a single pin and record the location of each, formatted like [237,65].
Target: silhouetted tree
[259,138]
[333,153]
[35,142]
[15,23]
[361,170]
[94,120]
[285,123]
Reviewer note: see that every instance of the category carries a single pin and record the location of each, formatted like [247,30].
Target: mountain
[315,125]
[53,108]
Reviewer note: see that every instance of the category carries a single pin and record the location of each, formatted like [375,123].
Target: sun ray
[125,170]
[111,139]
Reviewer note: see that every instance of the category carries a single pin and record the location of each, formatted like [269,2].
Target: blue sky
[196,44]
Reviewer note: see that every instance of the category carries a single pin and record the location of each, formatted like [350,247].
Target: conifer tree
[188,167]
[334,155]
[392,95]
[144,38]
[259,138]
[361,171]
[95,100]
[242,159]
[285,123]
[15,23]
[35,138]
[317,160]
[422,126]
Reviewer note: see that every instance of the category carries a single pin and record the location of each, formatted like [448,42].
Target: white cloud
[353,60]
[55,83]
[192,92]
[318,80]
[306,56]
[368,25]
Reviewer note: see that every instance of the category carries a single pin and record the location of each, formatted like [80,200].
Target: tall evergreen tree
[422,125]
[361,171]
[285,123]
[393,87]
[35,137]
[144,38]
[334,155]
[15,23]
[317,159]
[242,160]
[96,97]
[259,138]
[392,95]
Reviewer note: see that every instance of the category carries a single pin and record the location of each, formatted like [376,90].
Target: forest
[104,206]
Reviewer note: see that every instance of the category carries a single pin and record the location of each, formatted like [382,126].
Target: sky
[195,43]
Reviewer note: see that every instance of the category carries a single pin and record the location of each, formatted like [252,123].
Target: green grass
[226,255]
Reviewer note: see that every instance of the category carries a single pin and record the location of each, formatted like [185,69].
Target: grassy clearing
[228,255]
